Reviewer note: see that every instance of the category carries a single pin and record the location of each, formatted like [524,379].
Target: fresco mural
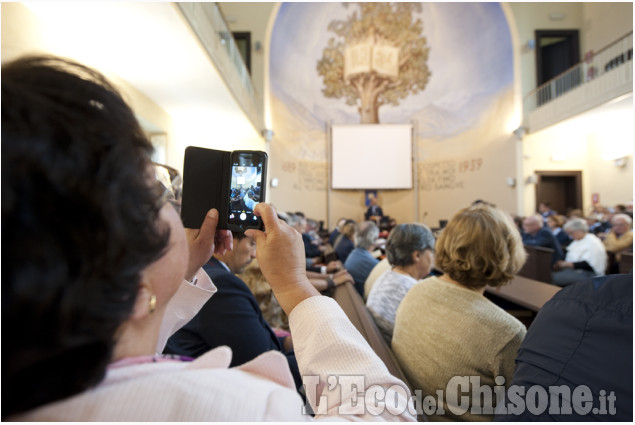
[379,57]
[445,67]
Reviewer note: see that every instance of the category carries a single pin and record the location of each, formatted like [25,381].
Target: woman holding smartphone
[99,265]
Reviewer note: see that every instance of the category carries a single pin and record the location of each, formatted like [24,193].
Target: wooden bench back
[538,264]
[353,305]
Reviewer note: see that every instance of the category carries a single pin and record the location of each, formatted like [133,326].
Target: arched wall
[464,114]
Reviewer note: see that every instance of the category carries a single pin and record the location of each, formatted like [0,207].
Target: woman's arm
[342,374]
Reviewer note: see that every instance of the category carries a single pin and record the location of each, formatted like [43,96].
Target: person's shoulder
[545,231]
[226,282]
[215,268]
[614,292]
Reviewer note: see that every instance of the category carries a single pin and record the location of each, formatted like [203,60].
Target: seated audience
[535,234]
[544,208]
[410,251]
[344,242]
[377,271]
[335,233]
[101,271]
[620,237]
[586,255]
[576,213]
[312,252]
[232,317]
[596,225]
[555,223]
[583,336]
[620,209]
[271,310]
[323,282]
[518,222]
[269,305]
[446,328]
[313,230]
[360,261]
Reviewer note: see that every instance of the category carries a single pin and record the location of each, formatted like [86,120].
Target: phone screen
[247,188]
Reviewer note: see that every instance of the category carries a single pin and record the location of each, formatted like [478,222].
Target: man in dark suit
[232,315]
[374,211]
[535,234]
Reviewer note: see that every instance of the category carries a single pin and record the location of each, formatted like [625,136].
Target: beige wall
[252,17]
[23,33]
[599,23]
[532,16]
[589,143]
[584,139]
[604,23]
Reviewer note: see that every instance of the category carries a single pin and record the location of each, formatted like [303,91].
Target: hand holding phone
[231,182]
[206,241]
[280,254]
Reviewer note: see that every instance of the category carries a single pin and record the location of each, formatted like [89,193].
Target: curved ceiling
[148,45]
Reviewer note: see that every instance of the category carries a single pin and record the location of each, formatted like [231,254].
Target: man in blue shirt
[360,261]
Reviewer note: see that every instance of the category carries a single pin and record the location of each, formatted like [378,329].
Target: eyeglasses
[171,183]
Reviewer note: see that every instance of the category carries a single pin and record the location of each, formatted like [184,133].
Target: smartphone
[247,186]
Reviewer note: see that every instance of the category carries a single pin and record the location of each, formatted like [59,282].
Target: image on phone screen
[246,189]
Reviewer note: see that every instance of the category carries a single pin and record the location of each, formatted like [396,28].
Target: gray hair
[404,240]
[627,218]
[576,224]
[292,219]
[366,234]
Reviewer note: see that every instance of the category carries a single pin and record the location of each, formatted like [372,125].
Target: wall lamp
[267,134]
[520,132]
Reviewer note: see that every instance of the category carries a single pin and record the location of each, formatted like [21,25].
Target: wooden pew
[353,305]
[529,293]
[626,262]
[538,264]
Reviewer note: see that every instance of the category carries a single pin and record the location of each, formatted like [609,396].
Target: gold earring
[153,303]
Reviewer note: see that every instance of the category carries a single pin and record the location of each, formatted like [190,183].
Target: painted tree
[378,57]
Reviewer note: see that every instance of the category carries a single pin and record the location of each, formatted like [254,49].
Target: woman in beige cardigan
[446,329]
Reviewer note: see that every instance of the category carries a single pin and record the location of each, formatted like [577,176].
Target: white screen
[371,156]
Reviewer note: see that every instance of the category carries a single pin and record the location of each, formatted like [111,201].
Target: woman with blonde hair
[445,329]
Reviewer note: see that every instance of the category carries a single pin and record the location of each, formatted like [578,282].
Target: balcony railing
[595,65]
[207,22]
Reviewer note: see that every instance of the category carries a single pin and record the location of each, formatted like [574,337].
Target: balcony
[208,25]
[601,77]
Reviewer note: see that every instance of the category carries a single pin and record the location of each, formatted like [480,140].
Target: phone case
[205,185]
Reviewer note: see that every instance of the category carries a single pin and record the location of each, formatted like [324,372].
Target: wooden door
[562,189]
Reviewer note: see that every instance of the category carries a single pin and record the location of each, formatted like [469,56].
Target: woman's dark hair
[79,225]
